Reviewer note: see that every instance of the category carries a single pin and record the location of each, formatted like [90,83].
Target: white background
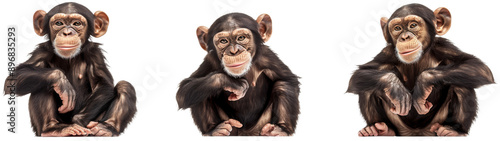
[152,44]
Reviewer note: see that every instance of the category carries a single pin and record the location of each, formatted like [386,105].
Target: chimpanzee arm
[285,97]
[204,83]
[29,78]
[465,71]
[195,90]
[471,73]
[462,71]
[379,76]
[33,75]
[369,78]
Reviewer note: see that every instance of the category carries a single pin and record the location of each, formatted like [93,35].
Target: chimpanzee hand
[225,128]
[421,104]
[377,129]
[65,91]
[100,129]
[70,130]
[237,91]
[398,95]
[422,90]
[445,130]
[272,130]
[400,99]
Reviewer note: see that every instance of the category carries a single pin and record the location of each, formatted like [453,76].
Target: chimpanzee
[418,84]
[72,92]
[241,83]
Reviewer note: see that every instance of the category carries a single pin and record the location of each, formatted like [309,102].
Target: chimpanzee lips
[410,51]
[66,47]
[236,64]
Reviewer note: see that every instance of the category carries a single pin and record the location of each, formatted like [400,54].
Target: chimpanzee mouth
[411,51]
[237,64]
[67,47]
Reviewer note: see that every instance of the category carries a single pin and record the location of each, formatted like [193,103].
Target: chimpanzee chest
[248,109]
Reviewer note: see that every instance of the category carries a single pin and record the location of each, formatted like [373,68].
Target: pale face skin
[67,33]
[410,36]
[235,50]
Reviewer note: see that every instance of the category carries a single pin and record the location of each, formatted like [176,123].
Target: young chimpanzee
[419,84]
[72,91]
[241,83]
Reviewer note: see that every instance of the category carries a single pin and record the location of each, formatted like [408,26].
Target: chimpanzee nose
[67,32]
[234,50]
[405,36]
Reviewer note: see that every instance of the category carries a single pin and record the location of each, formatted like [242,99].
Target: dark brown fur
[456,74]
[96,97]
[274,98]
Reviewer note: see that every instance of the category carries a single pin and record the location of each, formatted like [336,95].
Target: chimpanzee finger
[235,123]
[447,133]
[395,104]
[71,98]
[434,127]
[374,130]
[381,127]
[428,91]
[363,131]
[407,105]
[95,130]
[64,106]
[86,131]
[277,131]
[71,132]
[83,130]
[266,130]
[226,126]
[222,133]
[422,106]
[369,131]
[92,124]
[440,131]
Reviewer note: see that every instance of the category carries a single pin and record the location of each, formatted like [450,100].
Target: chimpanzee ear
[443,20]
[38,22]
[101,23]
[265,26]
[383,24]
[201,33]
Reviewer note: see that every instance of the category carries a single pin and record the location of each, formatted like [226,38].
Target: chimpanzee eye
[397,28]
[77,23]
[413,25]
[59,23]
[223,41]
[241,38]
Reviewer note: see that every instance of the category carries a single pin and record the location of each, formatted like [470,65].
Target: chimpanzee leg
[374,109]
[119,114]
[463,108]
[45,120]
[43,110]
